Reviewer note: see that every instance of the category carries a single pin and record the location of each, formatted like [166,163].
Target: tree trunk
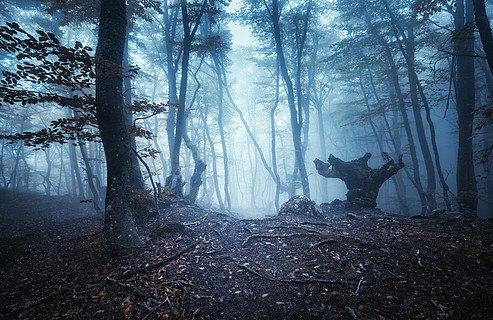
[219,74]
[169,32]
[120,229]
[400,196]
[175,180]
[418,120]
[394,75]
[96,200]
[214,160]
[483,24]
[465,93]
[47,177]
[295,113]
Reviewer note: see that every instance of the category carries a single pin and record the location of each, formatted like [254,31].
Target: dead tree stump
[362,182]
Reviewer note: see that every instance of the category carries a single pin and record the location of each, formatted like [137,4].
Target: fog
[341,61]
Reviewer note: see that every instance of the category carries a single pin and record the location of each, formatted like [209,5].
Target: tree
[362,182]
[120,229]
[467,193]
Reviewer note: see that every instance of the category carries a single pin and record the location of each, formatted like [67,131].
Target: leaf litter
[53,265]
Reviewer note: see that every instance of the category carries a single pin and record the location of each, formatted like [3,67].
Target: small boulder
[300,205]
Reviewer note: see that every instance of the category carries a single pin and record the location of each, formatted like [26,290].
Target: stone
[300,205]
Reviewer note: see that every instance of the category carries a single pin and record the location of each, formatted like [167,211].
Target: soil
[209,265]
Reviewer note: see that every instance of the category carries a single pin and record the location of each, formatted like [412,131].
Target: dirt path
[361,266]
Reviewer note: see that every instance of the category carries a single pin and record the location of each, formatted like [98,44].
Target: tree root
[309,280]
[277,236]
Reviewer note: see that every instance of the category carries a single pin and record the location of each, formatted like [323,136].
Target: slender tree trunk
[221,129]
[47,177]
[418,120]
[273,140]
[394,73]
[169,32]
[295,113]
[120,229]
[214,161]
[465,96]
[90,179]
[400,195]
[175,180]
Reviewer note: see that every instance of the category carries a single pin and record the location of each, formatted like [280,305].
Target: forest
[246,159]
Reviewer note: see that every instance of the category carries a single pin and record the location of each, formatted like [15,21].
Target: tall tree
[465,93]
[120,229]
[190,26]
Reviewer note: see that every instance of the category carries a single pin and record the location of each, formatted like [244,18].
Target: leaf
[78,45]
[265,295]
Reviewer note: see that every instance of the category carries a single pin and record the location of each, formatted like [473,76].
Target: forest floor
[351,265]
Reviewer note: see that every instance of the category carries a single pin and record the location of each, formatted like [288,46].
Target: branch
[158,264]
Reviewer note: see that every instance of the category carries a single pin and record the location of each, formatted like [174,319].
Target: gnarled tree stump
[363,182]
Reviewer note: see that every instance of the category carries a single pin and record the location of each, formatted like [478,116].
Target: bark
[465,95]
[120,229]
[362,182]
[483,24]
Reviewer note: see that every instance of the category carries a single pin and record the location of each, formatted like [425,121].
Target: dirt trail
[364,265]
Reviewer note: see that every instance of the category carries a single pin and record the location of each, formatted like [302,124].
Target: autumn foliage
[48,72]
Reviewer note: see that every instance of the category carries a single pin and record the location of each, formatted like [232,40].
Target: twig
[127,287]
[352,313]
[182,306]
[159,263]
[359,285]
[155,309]
[318,244]
[419,260]
[29,304]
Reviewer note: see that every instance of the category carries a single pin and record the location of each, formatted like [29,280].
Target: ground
[345,265]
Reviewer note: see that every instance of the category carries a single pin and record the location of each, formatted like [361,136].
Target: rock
[300,205]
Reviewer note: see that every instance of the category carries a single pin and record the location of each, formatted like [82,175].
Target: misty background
[353,90]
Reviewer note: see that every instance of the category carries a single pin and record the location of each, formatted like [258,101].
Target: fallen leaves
[356,274]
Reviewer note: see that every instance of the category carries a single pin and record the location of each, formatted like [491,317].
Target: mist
[345,104]
[246,159]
